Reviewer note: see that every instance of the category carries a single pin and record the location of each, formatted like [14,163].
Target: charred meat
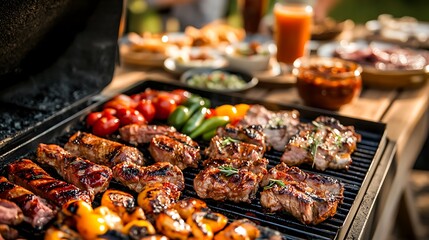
[37,211]
[257,166]
[10,213]
[102,151]
[324,143]
[226,147]
[278,126]
[83,173]
[166,149]
[226,183]
[250,134]
[135,177]
[138,134]
[310,198]
[28,174]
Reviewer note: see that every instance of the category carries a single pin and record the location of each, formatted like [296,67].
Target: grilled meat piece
[278,126]
[28,174]
[102,151]
[83,173]
[231,148]
[7,232]
[250,134]
[157,197]
[324,143]
[137,134]
[10,213]
[135,177]
[239,185]
[166,149]
[257,166]
[37,211]
[310,198]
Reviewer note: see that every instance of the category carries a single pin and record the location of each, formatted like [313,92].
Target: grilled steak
[250,134]
[140,134]
[223,183]
[26,173]
[258,166]
[310,198]
[278,126]
[231,148]
[166,149]
[10,213]
[36,210]
[102,151]
[136,177]
[324,143]
[84,174]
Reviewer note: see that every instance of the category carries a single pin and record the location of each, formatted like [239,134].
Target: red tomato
[109,112]
[146,108]
[211,112]
[92,118]
[121,101]
[128,116]
[136,97]
[105,125]
[164,105]
[182,95]
[149,94]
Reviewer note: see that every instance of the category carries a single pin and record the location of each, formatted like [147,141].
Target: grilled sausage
[84,174]
[103,151]
[28,174]
[37,211]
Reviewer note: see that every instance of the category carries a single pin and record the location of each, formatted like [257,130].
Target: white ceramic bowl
[238,59]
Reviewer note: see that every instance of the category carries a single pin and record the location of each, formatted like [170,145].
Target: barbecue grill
[49,105]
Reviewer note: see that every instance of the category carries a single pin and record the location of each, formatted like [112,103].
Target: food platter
[375,77]
[356,179]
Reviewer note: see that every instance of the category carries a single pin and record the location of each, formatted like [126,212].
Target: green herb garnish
[274,182]
[314,144]
[228,140]
[228,170]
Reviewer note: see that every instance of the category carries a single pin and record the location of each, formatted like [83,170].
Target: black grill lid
[54,55]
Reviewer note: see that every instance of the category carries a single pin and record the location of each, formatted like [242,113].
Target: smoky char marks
[140,134]
[323,143]
[308,197]
[136,177]
[80,172]
[28,174]
[250,134]
[221,147]
[166,149]
[102,151]
[258,166]
[37,211]
[212,183]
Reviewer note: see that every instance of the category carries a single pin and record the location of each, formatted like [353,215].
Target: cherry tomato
[149,94]
[164,105]
[146,108]
[136,97]
[105,125]
[109,112]
[121,101]
[92,118]
[181,95]
[211,112]
[129,116]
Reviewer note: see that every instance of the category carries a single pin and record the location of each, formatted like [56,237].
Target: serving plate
[371,76]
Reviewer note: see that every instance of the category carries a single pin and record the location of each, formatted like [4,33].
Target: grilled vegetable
[136,213]
[112,219]
[195,121]
[117,201]
[77,208]
[208,125]
[179,117]
[91,225]
[216,221]
[187,206]
[172,225]
[200,230]
[138,228]
[194,102]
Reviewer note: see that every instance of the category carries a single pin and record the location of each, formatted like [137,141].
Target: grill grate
[355,179]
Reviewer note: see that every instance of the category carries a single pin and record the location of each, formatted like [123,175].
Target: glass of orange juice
[292,29]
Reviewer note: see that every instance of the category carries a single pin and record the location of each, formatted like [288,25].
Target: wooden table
[404,111]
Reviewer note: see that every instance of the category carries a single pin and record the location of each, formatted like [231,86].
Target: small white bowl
[189,58]
[257,62]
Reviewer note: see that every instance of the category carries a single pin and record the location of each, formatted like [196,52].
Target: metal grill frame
[357,179]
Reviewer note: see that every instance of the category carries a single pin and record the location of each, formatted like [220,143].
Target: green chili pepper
[194,121]
[179,117]
[193,103]
[208,135]
[208,125]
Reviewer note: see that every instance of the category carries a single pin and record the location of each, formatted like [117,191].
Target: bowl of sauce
[327,82]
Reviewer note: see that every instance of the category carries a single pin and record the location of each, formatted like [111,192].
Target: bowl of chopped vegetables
[219,79]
